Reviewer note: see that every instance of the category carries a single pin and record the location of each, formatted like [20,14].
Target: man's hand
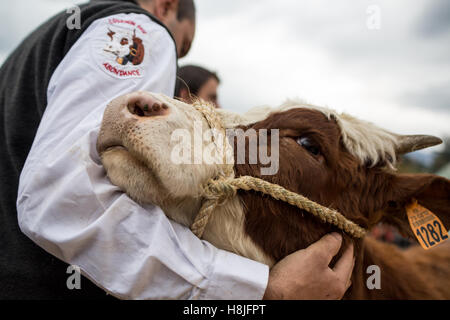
[305,274]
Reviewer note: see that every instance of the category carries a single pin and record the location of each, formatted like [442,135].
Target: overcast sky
[385,61]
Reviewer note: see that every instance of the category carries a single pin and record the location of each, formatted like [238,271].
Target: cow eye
[309,144]
[124,41]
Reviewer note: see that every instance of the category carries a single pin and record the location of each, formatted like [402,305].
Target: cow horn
[410,143]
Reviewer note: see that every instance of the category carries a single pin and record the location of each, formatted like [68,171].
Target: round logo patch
[122,53]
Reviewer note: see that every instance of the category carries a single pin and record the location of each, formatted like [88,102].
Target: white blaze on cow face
[149,139]
[200,147]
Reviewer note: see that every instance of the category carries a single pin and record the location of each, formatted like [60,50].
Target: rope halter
[225,187]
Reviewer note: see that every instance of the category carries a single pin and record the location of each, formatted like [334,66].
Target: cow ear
[430,191]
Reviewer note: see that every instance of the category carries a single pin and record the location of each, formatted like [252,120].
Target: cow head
[333,159]
[342,163]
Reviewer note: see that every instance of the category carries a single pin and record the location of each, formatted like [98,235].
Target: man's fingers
[344,266]
[327,247]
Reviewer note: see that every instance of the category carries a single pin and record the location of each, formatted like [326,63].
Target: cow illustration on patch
[125,46]
[121,49]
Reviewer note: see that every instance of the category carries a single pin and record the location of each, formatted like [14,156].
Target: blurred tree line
[440,160]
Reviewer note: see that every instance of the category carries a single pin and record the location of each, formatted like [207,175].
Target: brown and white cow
[333,159]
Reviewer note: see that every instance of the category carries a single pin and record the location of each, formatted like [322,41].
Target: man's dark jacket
[27,271]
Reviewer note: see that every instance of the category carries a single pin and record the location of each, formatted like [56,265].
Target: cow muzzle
[143,104]
[123,113]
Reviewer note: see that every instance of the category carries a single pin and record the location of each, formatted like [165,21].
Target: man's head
[178,16]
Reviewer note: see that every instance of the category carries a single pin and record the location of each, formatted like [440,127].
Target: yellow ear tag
[425,225]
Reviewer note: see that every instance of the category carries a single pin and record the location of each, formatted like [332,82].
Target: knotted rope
[217,191]
[225,187]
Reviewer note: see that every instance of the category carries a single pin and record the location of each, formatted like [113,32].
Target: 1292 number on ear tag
[425,225]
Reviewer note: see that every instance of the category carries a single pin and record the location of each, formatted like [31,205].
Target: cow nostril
[136,109]
[157,109]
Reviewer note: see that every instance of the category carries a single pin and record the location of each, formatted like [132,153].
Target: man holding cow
[53,91]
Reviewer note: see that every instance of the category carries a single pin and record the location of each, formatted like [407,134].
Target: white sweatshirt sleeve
[67,205]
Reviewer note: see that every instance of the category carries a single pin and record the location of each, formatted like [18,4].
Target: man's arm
[67,205]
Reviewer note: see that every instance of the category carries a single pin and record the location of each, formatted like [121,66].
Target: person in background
[390,234]
[197,82]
